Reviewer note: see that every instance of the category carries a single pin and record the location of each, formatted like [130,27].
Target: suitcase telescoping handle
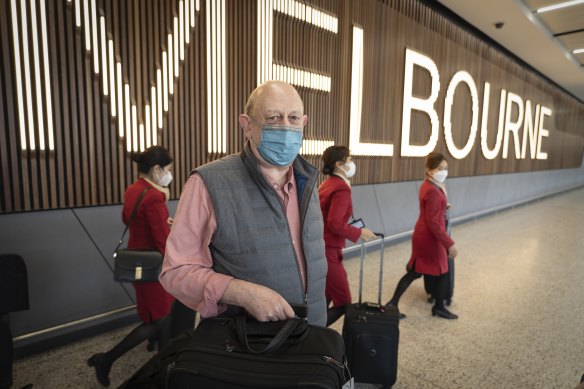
[363,252]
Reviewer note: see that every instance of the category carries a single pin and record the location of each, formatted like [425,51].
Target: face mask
[280,145]
[352,168]
[165,179]
[440,175]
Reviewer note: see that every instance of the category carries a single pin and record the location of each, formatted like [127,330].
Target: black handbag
[136,265]
[239,352]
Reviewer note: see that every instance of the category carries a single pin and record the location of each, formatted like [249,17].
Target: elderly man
[248,230]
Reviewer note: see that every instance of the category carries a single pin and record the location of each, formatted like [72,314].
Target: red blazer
[431,241]
[149,229]
[337,208]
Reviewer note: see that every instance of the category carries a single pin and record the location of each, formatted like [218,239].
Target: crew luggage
[371,335]
[430,282]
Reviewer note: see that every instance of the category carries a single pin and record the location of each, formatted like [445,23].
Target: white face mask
[352,169]
[165,179]
[440,175]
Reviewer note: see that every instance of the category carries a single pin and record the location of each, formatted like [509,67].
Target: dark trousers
[439,288]
[182,318]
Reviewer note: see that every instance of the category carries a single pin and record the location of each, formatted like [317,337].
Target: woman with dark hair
[148,230]
[337,208]
[431,244]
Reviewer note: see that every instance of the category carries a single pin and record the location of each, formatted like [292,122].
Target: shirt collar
[273,184]
[164,190]
[343,178]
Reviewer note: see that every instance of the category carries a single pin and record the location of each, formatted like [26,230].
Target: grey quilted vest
[253,240]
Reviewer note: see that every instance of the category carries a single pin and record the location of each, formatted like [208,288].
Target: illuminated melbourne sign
[529,118]
[527,131]
[532,122]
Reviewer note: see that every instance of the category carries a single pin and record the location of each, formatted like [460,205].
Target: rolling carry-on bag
[371,335]
[430,281]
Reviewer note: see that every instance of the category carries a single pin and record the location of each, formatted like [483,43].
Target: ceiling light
[560,5]
[578,51]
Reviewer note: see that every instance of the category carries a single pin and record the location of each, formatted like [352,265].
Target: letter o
[459,77]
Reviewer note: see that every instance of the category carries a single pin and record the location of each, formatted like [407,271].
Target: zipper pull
[229,346]
[333,361]
[170,367]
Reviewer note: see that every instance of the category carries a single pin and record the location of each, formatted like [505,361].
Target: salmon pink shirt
[187,271]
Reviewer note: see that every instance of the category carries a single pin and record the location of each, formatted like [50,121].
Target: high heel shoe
[102,369]
[390,306]
[444,313]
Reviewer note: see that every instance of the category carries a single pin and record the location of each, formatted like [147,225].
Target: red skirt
[152,301]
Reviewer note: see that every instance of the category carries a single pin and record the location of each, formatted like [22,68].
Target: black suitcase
[430,282]
[371,335]
[220,356]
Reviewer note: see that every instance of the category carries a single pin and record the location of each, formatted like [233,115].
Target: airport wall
[86,85]
[68,252]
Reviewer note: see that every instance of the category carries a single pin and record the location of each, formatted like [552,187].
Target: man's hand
[261,302]
[452,251]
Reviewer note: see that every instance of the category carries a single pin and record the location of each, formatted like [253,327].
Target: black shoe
[443,312]
[102,369]
[390,306]
[448,302]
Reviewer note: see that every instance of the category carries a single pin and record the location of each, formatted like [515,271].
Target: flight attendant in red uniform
[148,230]
[431,244]
[337,208]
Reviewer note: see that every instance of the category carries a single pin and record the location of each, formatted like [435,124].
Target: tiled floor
[519,293]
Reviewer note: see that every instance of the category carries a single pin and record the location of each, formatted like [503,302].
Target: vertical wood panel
[10,171]
[91,166]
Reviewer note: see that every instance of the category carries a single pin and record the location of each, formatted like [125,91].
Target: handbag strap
[132,217]
[276,342]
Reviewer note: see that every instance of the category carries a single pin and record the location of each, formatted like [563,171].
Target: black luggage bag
[371,335]
[430,281]
[279,355]
[152,375]
[228,353]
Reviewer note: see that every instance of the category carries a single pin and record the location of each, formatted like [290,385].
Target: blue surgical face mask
[280,145]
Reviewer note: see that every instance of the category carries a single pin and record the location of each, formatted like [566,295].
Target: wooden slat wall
[90,164]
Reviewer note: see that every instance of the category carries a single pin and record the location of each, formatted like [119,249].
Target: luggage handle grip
[276,342]
[363,251]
